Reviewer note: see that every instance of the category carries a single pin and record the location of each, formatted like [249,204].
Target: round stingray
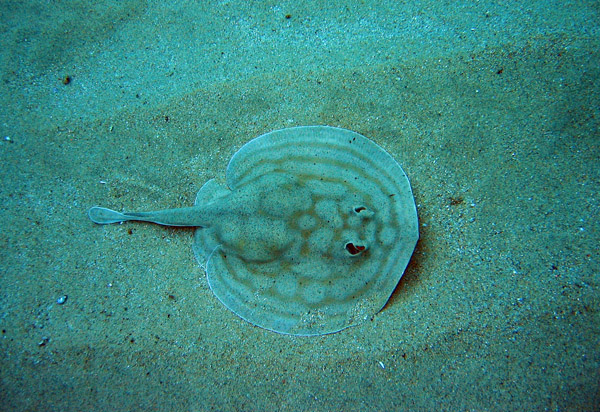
[322,226]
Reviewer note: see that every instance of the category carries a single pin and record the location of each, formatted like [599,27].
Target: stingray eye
[362,212]
[354,249]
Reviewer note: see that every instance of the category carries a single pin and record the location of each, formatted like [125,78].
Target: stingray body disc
[335,220]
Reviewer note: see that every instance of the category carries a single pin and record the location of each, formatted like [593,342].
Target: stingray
[310,234]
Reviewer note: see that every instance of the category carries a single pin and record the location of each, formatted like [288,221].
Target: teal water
[492,109]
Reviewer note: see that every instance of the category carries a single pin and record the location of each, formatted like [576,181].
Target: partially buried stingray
[310,235]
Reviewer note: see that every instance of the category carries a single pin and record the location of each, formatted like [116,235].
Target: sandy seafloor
[491,108]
